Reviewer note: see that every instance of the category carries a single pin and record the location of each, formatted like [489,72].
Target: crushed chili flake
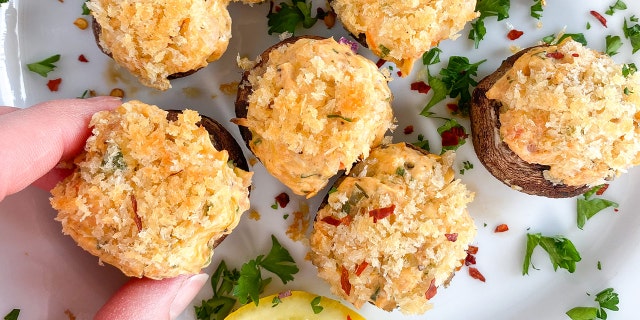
[136,217]
[469,260]
[331,220]
[472,250]
[82,58]
[600,18]
[453,107]
[282,199]
[501,228]
[380,63]
[381,213]
[452,136]
[575,55]
[54,84]
[360,268]
[451,236]
[474,273]
[615,210]
[602,189]
[514,34]
[431,292]
[399,73]
[421,87]
[344,280]
[408,130]
[555,55]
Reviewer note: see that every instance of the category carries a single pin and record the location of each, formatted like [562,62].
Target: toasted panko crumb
[151,196]
[297,230]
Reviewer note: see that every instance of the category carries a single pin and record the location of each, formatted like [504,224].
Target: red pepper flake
[399,73]
[421,87]
[282,199]
[348,317]
[408,130]
[514,34]
[381,213]
[472,250]
[344,280]
[501,228]
[380,63]
[615,210]
[575,55]
[600,18]
[360,268]
[451,137]
[451,236]
[453,107]
[331,220]
[474,273]
[54,84]
[602,189]
[431,292]
[82,58]
[469,260]
[555,55]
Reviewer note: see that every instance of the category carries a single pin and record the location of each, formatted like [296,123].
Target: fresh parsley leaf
[45,66]
[13,315]
[589,207]
[608,299]
[440,92]
[315,305]
[629,69]
[487,8]
[279,261]
[221,304]
[249,283]
[432,56]
[583,313]
[619,5]
[3,1]
[290,16]
[422,143]
[633,34]
[536,9]
[612,44]
[85,9]
[561,250]
[577,37]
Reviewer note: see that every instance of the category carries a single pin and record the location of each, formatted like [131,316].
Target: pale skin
[32,142]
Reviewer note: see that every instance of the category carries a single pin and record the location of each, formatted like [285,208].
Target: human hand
[32,142]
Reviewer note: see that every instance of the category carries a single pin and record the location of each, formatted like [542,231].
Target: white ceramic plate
[44,273]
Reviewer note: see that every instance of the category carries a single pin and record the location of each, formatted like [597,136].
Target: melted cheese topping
[151,196]
[404,251]
[157,38]
[315,109]
[571,108]
[401,31]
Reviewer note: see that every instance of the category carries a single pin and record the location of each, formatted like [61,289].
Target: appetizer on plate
[311,107]
[393,230]
[158,40]
[153,196]
[556,120]
[403,30]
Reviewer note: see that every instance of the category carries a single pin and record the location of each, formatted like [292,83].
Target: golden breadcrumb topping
[402,31]
[571,108]
[315,109]
[154,39]
[393,227]
[151,196]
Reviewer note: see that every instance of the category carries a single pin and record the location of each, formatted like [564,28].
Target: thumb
[145,298]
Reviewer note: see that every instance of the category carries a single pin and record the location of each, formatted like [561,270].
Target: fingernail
[187,291]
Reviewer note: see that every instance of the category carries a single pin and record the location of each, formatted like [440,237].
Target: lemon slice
[299,305]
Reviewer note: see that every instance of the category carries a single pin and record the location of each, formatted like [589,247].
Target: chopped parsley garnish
[422,143]
[274,206]
[629,69]
[619,5]
[332,116]
[45,66]
[487,8]
[589,207]
[561,250]
[245,285]
[536,9]
[627,91]
[315,305]
[633,34]
[85,9]
[384,51]
[466,166]
[612,44]
[577,37]
[290,16]
[13,315]
[606,299]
